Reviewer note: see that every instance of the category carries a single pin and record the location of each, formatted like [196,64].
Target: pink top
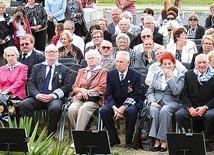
[132,8]
[14,80]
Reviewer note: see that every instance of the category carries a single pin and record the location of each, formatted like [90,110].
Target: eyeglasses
[193,19]
[68,28]
[146,36]
[208,44]
[170,18]
[106,47]
[148,23]
[96,37]
[169,30]
[49,52]
[26,44]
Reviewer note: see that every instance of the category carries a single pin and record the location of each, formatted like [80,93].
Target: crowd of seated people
[164,46]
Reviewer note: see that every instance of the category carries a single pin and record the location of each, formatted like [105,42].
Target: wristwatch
[206,107]
[126,105]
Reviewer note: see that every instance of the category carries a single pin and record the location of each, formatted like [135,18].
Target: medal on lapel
[129,87]
[60,78]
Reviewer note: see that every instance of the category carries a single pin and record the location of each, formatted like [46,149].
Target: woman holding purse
[90,82]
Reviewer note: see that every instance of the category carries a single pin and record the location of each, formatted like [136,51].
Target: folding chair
[73,75]
[67,60]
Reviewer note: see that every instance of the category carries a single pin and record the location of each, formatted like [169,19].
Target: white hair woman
[13,75]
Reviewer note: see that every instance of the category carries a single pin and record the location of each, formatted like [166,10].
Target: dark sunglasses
[106,47]
[170,18]
[193,19]
[26,44]
[146,36]
[169,30]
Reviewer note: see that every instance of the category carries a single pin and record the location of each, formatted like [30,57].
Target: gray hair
[125,53]
[52,47]
[114,9]
[11,48]
[146,29]
[200,56]
[126,20]
[123,36]
[106,41]
[149,17]
[209,31]
[129,15]
[160,47]
[69,22]
[93,52]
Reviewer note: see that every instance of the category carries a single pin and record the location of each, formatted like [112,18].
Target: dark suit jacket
[133,40]
[192,96]
[157,38]
[107,35]
[60,79]
[34,58]
[208,23]
[111,28]
[114,95]
[199,31]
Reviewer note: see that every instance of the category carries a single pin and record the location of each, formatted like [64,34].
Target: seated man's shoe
[115,142]
[163,149]
[128,146]
[155,149]
[88,126]
[208,146]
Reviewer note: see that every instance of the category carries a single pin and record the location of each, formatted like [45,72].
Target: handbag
[9,107]
[94,97]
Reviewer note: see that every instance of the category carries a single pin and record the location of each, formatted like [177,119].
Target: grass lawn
[160,2]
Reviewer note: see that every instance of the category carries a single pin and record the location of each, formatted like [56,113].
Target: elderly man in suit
[48,84]
[149,23]
[113,27]
[28,55]
[198,98]
[147,56]
[124,25]
[123,98]
[107,59]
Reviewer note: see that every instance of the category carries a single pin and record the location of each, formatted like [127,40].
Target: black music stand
[91,142]
[13,139]
[186,144]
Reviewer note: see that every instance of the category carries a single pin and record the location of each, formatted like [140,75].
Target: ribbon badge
[60,78]
[129,87]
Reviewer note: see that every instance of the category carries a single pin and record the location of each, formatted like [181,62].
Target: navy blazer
[192,96]
[60,79]
[111,28]
[34,58]
[114,95]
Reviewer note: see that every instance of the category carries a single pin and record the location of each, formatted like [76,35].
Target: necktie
[47,81]
[121,77]
[24,56]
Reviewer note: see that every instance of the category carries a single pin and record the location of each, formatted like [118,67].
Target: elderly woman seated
[163,98]
[181,48]
[69,50]
[13,75]
[88,91]
[123,42]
